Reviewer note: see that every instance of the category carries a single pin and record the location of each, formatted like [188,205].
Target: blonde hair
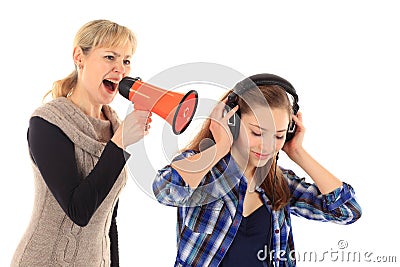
[94,34]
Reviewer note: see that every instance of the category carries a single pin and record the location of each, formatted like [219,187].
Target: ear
[78,56]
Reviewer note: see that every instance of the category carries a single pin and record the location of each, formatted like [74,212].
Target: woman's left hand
[295,146]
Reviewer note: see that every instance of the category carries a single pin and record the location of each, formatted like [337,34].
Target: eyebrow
[117,55]
[255,125]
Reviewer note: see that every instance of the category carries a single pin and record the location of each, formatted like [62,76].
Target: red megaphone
[176,108]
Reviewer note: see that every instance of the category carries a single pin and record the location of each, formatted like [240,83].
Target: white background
[342,57]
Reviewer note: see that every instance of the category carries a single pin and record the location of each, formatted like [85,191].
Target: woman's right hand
[135,126]
[219,126]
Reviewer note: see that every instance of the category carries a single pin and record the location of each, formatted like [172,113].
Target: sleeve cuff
[339,196]
[114,146]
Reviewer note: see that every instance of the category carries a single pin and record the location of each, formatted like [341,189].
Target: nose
[268,144]
[119,67]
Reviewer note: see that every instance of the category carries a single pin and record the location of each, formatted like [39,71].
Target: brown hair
[94,34]
[276,97]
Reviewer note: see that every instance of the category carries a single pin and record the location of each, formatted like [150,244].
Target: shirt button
[269,202]
[276,231]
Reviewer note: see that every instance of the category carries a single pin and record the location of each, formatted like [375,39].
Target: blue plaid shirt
[205,231]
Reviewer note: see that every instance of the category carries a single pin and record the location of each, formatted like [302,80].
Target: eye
[109,57]
[256,134]
[279,137]
[127,62]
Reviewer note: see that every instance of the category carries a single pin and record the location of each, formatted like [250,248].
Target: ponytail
[63,87]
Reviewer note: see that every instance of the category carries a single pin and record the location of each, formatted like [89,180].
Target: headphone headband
[268,79]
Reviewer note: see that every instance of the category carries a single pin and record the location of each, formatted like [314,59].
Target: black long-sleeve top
[53,153]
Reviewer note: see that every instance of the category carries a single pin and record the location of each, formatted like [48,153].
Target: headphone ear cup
[290,131]
[234,125]
[234,121]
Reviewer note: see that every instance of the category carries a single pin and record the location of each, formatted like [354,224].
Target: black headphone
[259,80]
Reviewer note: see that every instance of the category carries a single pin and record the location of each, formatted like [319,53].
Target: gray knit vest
[51,238]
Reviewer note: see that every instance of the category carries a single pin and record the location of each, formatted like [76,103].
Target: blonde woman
[77,152]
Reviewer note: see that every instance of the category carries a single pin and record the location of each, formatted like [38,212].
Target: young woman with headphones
[233,200]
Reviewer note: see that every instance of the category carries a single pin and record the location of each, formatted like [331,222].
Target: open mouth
[110,85]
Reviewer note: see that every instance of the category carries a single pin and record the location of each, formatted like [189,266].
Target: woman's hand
[294,147]
[135,126]
[219,127]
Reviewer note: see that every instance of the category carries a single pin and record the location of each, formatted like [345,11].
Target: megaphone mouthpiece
[125,85]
